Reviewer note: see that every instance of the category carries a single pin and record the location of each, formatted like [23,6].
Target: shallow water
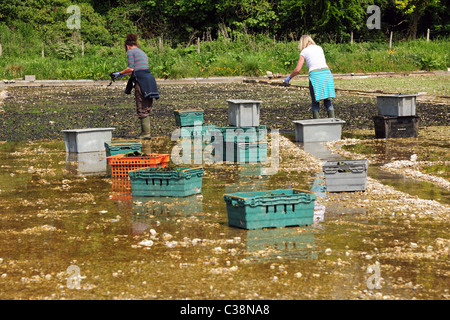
[53,217]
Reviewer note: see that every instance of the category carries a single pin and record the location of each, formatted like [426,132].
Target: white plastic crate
[86,140]
[397,105]
[318,130]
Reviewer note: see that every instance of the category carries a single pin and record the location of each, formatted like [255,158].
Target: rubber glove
[117,75]
[287,79]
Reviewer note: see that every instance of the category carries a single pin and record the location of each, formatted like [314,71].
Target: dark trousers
[315,104]
[143,106]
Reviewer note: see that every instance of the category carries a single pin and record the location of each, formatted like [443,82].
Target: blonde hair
[305,41]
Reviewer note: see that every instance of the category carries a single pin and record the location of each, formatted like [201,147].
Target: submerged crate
[121,165]
[396,127]
[318,130]
[188,118]
[272,208]
[345,175]
[397,105]
[157,182]
[122,147]
[86,140]
[243,113]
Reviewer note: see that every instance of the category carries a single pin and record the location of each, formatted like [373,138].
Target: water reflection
[319,150]
[266,244]
[249,177]
[86,163]
[145,209]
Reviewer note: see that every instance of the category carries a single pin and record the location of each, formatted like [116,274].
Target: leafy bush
[66,50]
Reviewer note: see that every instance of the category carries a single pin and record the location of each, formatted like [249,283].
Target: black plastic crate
[396,127]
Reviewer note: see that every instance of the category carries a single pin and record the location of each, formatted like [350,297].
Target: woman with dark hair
[145,88]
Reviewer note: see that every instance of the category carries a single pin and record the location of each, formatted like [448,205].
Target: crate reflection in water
[86,163]
[250,178]
[291,242]
[144,210]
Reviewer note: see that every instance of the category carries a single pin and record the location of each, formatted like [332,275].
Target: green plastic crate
[240,134]
[196,131]
[247,152]
[156,182]
[188,118]
[121,147]
[272,208]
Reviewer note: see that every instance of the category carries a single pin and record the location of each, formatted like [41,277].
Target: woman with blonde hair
[321,83]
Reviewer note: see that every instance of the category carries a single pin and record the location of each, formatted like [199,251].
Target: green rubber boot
[145,128]
[315,114]
[330,113]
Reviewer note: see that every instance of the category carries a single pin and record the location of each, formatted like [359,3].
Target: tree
[415,9]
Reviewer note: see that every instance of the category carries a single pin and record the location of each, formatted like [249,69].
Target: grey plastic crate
[397,105]
[243,113]
[318,130]
[345,175]
[86,140]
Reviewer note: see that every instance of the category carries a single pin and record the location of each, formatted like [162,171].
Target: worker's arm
[127,72]
[297,69]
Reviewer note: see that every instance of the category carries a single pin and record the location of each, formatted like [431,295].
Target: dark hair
[131,40]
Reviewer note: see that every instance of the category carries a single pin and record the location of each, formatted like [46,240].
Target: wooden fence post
[42,50]
[351,37]
[428,35]
[390,40]
[198,45]
[82,48]
[1,50]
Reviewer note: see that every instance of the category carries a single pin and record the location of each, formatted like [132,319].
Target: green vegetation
[196,38]
[249,56]
[431,85]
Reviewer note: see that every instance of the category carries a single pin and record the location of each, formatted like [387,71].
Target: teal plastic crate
[121,147]
[246,152]
[157,182]
[272,208]
[196,131]
[188,118]
[240,134]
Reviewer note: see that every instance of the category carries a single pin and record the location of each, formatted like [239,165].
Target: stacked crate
[396,116]
[190,126]
[244,141]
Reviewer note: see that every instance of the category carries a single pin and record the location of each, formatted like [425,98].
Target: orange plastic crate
[121,189]
[120,165]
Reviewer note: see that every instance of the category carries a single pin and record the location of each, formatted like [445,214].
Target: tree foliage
[181,21]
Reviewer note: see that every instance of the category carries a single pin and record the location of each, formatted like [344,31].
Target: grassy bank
[245,56]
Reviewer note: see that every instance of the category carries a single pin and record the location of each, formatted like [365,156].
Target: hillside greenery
[197,38]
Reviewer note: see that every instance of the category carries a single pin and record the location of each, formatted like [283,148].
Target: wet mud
[66,233]
[42,112]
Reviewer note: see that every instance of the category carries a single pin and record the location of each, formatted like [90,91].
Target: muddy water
[54,216]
